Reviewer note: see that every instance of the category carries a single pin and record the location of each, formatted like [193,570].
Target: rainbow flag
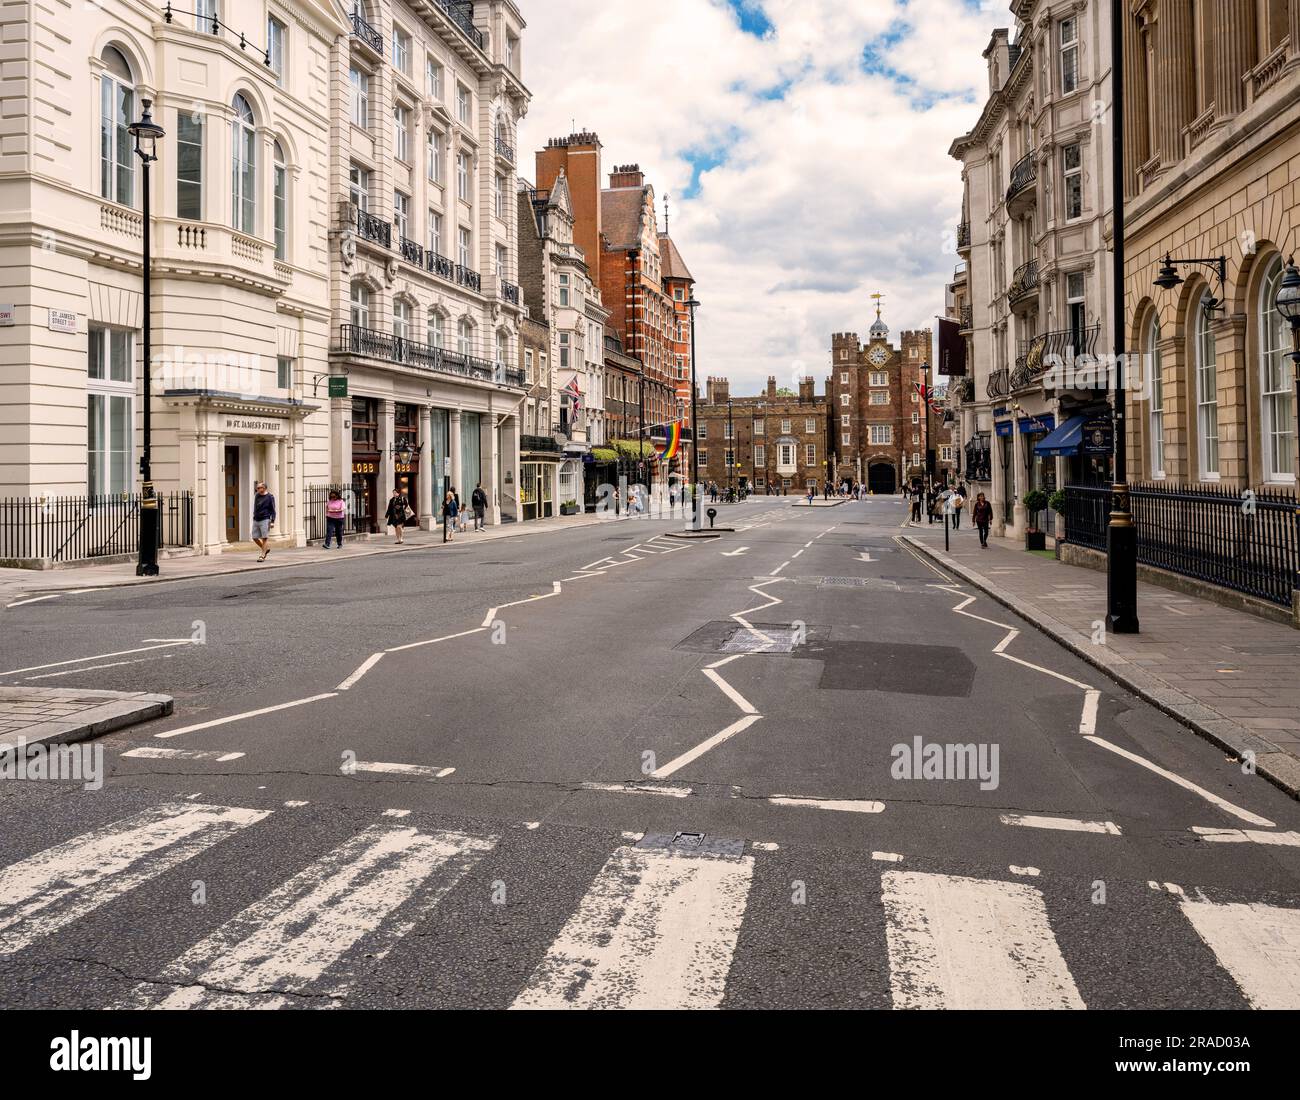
[674,443]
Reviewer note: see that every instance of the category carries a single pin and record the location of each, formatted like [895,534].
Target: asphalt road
[795,767]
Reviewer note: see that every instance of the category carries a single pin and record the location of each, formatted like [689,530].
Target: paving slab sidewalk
[1231,677]
[63,715]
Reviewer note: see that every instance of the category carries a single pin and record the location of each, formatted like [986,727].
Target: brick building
[880,430]
[679,285]
[775,439]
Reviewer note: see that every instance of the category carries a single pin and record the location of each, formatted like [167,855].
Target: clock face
[878,356]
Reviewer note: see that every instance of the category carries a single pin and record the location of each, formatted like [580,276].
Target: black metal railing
[354,523]
[510,293]
[1023,175]
[505,150]
[468,277]
[963,234]
[543,443]
[1041,352]
[77,528]
[461,12]
[412,252]
[1024,282]
[374,228]
[1246,544]
[368,34]
[358,340]
[437,264]
[964,389]
[999,383]
[967,319]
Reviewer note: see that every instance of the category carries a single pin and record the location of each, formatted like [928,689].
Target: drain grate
[845,582]
[728,636]
[700,844]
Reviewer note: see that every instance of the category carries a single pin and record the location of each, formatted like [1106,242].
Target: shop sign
[251,426]
[7,315]
[365,467]
[1099,436]
[338,386]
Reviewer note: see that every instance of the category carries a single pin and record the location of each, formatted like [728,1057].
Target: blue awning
[1064,441]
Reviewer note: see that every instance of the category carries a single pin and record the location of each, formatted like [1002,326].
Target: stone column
[340,441]
[428,514]
[1174,44]
[453,448]
[489,458]
[1234,423]
[1017,487]
[1234,46]
[1136,123]
[510,462]
[387,467]
[1293,17]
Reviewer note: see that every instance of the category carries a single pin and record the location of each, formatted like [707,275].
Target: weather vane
[666,215]
[878,299]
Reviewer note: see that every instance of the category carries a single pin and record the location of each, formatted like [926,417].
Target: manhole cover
[844,582]
[728,636]
[694,843]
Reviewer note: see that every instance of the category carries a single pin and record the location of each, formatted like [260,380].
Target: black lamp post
[1121,535]
[146,133]
[692,305]
[729,452]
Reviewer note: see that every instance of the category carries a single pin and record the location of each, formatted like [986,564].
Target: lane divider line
[435,641]
[713,742]
[94,657]
[1065,824]
[247,714]
[365,667]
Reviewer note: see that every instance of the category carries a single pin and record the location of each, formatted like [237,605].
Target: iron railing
[461,12]
[354,523]
[358,340]
[77,528]
[963,234]
[510,293]
[505,150]
[437,264]
[1023,175]
[374,228]
[1024,282]
[1246,544]
[467,277]
[367,33]
[967,318]
[542,443]
[412,252]
[1037,352]
[999,383]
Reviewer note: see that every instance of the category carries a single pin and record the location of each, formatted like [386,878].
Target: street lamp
[730,451]
[146,133]
[692,305]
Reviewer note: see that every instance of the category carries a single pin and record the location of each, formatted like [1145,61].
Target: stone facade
[1213,169]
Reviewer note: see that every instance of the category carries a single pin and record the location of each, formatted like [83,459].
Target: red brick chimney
[627,175]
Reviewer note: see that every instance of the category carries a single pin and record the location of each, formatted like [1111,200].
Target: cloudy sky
[803,144]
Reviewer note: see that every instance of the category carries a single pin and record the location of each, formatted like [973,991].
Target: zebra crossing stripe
[288,941]
[44,892]
[1258,944]
[971,943]
[655,930]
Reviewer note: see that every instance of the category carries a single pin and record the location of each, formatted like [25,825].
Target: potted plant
[1035,501]
[569,508]
[1056,502]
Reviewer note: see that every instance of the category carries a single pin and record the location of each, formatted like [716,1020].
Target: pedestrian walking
[982,515]
[812,494]
[399,512]
[335,513]
[916,505]
[958,502]
[263,519]
[479,501]
[450,510]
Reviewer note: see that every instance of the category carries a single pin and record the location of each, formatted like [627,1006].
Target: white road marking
[778,569]
[293,805]
[1257,944]
[847,805]
[1066,824]
[365,667]
[247,714]
[1246,836]
[656,930]
[1029,872]
[1088,721]
[151,752]
[639,788]
[765,846]
[492,612]
[713,742]
[34,599]
[296,939]
[730,692]
[399,814]
[414,771]
[796,554]
[53,888]
[435,641]
[971,943]
[735,553]
[1186,784]
[91,668]
[887,857]
[94,657]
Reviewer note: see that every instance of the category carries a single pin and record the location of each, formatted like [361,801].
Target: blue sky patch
[753,20]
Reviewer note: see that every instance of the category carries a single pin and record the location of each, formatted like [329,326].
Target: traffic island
[61,716]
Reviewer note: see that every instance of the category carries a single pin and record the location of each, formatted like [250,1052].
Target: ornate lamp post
[146,133]
[693,305]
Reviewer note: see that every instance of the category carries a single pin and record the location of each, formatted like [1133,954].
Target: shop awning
[1064,441]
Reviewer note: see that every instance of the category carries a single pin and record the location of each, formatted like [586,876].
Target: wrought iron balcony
[966,321]
[505,150]
[373,228]
[964,389]
[437,264]
[358,340]
[542,443]
[412,253]
[461,12]
[999,383]
[1023,175]
[367,33]
[467,277]
[510,293]
[1024,282]
[963,235]
[1038,353]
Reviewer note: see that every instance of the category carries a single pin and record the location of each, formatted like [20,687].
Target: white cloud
[841,187]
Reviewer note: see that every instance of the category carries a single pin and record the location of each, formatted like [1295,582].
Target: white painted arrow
[735,553]
[865,556]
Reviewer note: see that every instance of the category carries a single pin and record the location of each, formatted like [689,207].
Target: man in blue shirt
[263,519]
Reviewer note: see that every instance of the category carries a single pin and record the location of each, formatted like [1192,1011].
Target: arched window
[1157,398]
[243,163]
[464,336]
[437,337]
[1207,394]
[360,305]
[116,113]
[401,318]
[1277,419]
[281,204]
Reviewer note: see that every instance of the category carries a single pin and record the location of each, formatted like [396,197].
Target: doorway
[880,479]
[230,494]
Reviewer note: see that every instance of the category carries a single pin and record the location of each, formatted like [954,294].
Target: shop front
[366,463]
[536,489]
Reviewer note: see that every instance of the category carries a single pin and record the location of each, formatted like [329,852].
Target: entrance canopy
[1064,442]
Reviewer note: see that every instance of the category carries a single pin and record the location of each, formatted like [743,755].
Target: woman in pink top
[335,511]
